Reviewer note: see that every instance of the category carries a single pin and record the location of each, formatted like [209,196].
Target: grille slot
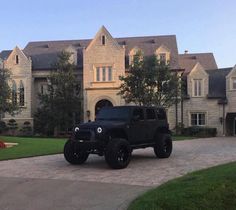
[83,135]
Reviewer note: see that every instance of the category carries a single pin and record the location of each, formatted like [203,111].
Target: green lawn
[29,147]
[213,188]
[180,138]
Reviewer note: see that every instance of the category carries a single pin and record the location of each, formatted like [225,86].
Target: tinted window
[138,112]
[150,114]
[114,113]
[161,114]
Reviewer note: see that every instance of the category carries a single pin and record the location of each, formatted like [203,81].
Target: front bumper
[87,140]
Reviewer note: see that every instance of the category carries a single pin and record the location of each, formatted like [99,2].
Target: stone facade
[20,67]
[102,60]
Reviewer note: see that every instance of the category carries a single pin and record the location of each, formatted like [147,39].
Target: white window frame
[197,88]
[198,118]
[103,73]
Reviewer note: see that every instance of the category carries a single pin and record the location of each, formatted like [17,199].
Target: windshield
[113,113]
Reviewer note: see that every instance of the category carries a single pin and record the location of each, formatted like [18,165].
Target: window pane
[103,40]
[193,119]
[195,87]
[98,74]
[138,112]
[109,73]
[150,114]
[22,94]
[161,114]
[103,74]
[163,57]
[234,83]
[199,87]
[201,119]
[14,93]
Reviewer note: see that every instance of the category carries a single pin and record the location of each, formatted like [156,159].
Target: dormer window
[197,88]
[163,54]
[103,39]
[17,59]
[234,83]
[135,54]
[162,57]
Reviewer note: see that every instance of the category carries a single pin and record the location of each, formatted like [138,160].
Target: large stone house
[210,96]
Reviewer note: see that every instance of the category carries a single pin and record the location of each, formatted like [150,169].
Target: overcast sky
[200,25]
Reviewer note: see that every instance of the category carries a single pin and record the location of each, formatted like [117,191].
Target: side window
[138,112]
[161,114]
[150,113]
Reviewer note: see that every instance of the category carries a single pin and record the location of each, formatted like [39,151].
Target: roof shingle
[188,61]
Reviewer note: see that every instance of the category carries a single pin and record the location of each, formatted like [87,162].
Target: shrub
[26,129]
[200,131]
[12,125]
[3,126]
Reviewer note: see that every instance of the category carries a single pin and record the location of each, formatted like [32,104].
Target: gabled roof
[4,54]
[188,61]
[217,82]
[44,53]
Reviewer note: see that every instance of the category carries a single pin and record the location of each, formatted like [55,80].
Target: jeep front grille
[83,135]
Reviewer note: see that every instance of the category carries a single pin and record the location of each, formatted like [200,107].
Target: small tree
[61,106]
[12,126]
[6,105]
[26,128]
[150,82]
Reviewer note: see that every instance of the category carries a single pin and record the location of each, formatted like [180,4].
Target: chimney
[186,52]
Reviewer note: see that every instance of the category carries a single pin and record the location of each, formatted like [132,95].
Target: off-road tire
[163,145]
[73,155]
[118,153]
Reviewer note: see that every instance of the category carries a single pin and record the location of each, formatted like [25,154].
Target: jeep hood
[103,124]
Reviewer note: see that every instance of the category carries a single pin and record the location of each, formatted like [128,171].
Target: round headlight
[76,129]
[99,130]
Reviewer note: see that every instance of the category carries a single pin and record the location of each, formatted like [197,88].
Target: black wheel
[73,155]
[163,146]
[118,153]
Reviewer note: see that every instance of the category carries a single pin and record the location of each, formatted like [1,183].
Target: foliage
[199,131]
[60,107]
[30,147]
[150,82]
[12,126]
[6,105]
[213,188]
[26,128]
[3,126]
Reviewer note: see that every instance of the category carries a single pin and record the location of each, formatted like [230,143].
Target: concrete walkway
[49,182]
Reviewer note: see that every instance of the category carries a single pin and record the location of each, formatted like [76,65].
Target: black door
[137,126]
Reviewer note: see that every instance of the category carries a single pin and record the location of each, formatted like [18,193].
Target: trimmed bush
[200,131]
[12,126]
[3,126]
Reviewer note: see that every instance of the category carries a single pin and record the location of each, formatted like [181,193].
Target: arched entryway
[102,103]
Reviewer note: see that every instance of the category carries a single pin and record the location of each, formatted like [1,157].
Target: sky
[200,25]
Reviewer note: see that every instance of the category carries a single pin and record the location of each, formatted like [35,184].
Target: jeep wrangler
[116,132]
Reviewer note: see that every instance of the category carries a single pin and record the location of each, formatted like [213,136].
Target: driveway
[49,182]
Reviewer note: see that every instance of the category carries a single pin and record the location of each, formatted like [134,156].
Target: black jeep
[116,132]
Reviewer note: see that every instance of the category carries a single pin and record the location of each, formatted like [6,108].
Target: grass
[29,147]
[180,138]
[213,188]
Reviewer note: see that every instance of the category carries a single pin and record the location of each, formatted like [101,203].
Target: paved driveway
[49,182]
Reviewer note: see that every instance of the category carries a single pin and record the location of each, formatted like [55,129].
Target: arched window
[22,94]
[14,93]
